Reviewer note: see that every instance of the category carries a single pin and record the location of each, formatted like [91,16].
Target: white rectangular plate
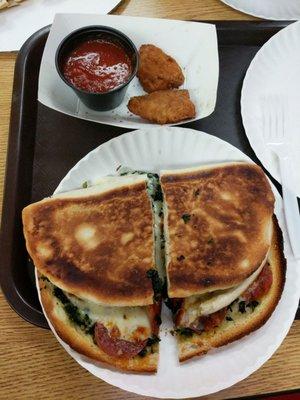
[193,45]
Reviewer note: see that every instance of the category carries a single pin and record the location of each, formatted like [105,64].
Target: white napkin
[20,22]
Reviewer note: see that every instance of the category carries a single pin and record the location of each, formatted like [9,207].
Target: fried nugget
[157,70]
[163,106]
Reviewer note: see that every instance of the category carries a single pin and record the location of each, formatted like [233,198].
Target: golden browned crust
[163,106]
[83,343]
[98,247]
[157,70]
[213,214]
[243,324]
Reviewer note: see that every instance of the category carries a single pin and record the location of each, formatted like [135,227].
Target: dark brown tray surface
[45,144]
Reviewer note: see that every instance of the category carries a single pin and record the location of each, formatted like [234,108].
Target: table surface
[32,363]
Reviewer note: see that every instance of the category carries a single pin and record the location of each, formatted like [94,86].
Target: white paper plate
[18,23]
[193,45]
[155,149]
[275,70]
[268,9]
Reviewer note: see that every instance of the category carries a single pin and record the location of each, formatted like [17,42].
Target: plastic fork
[275,137]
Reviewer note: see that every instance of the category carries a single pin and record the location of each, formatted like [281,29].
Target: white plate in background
[268,9]
[18,23]
[275,71]
[194,45]
[163,148]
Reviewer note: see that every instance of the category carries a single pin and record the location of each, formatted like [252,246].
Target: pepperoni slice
[154,311]
[213,320]
[116,347]
[260,286]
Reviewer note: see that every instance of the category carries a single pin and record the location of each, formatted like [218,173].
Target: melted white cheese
[127,319]
[196,306]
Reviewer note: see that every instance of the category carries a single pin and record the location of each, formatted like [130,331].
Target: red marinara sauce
[97,66]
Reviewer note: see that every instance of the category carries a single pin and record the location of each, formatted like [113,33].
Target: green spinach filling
[150,346]
[86,324]
[185,332]
[74,314]
[157,284]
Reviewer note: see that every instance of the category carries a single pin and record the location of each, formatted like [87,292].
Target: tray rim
[10,221]
[9,209]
